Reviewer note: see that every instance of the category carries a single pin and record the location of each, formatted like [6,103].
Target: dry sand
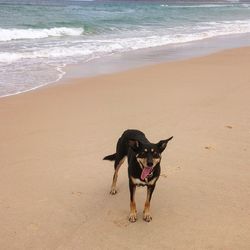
[54,186]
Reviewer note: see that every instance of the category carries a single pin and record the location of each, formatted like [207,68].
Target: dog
[144,168]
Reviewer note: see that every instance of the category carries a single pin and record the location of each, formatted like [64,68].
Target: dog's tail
[110,157]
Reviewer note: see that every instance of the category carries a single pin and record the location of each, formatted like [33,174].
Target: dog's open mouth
[146,172]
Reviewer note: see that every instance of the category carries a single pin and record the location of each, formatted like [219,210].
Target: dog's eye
[156,155]
[142,155]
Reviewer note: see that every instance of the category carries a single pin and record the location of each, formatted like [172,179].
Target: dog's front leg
[146,212]
[132,214]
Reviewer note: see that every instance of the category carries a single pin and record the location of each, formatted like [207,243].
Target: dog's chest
[139,182]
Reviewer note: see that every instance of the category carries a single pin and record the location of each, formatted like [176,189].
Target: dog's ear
[133,144]
[163,144]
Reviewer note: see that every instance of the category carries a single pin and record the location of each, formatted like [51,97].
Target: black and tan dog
[143,166]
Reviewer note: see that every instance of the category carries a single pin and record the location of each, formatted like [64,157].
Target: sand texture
[54,186]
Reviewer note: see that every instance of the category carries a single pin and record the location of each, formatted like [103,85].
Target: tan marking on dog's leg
[132,214]
[115,176]
[146,212]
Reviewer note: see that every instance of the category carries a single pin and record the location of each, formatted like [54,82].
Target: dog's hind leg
[118,163]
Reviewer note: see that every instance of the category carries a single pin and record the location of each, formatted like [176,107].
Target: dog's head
[148,155]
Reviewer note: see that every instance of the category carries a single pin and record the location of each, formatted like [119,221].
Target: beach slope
[54,186]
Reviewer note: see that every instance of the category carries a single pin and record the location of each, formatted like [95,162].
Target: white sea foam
[16,89]
[246,5]
[55,52]
[233,1]
[199,6]
[15,34]
[84,49]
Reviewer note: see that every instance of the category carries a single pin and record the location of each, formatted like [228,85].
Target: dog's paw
[113,191]
[132,217]
[147,217]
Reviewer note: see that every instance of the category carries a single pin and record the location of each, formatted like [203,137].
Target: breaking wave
[15,34]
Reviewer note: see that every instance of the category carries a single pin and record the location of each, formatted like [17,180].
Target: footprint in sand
[76,193]
[33,227]
[164,175]
[121,223]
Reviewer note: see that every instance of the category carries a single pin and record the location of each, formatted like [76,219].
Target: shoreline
[128,60]
[55,186]
[156,55]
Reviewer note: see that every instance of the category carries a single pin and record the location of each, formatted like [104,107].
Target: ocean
[39,38]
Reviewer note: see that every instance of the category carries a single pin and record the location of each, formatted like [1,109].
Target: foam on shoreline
[115,62]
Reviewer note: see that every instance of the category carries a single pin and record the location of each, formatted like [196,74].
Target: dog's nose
[150,164]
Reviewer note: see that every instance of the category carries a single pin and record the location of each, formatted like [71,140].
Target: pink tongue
[145,172]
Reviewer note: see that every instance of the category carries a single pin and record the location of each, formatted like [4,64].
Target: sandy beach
[55,186]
